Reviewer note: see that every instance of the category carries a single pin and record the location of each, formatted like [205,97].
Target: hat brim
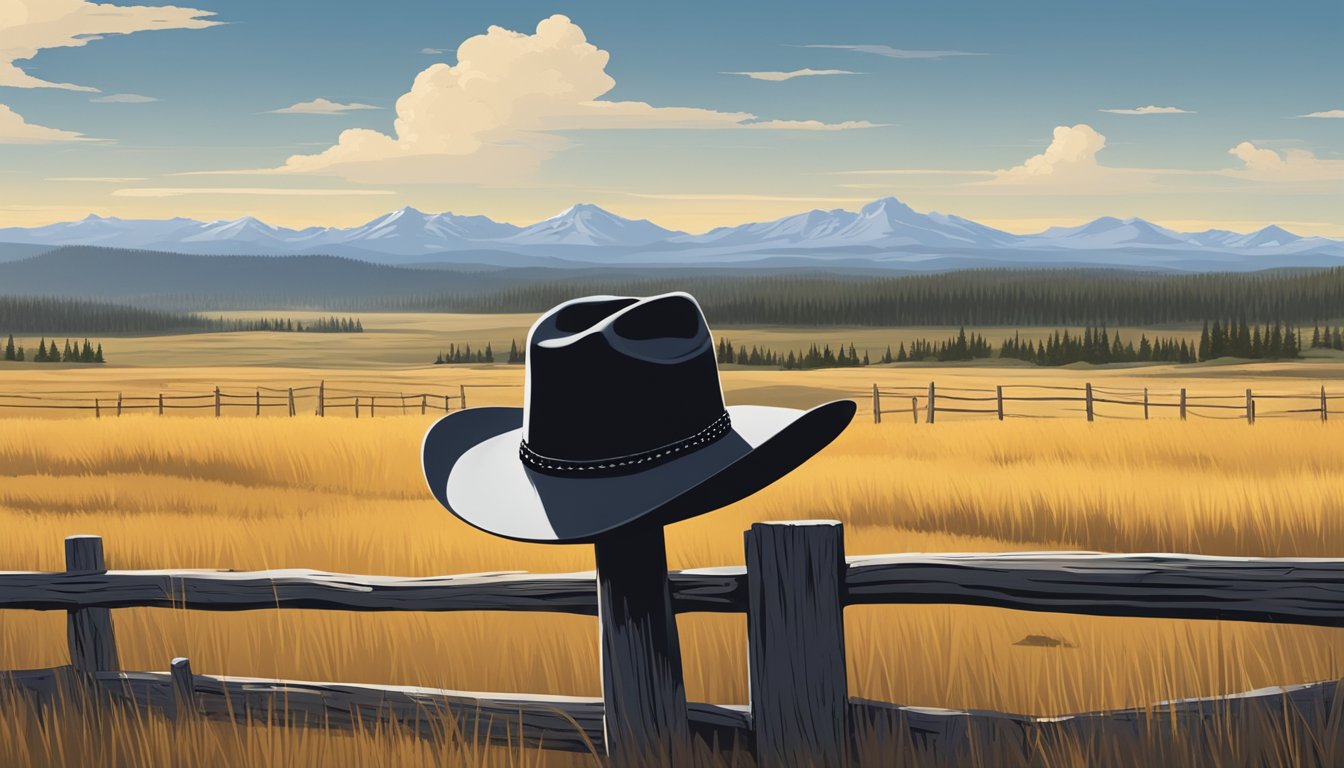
[471,463]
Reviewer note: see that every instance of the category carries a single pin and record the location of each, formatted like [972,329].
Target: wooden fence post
[1088,397]
[424,403]
[373,404]
[932,407]
[216,402]
[1250,407]
[118,403]
[1325,411]
[97,408]
[160,403]
[914,408]
[462,394]
[322,398]
[258,402]
[356,406]
[93,647]
[1182,403]
[403,403]
[183,701]
[796,643]
[643,692]
[446,406]
[291,402]
[877,405]
[1145,403]
[1000,398]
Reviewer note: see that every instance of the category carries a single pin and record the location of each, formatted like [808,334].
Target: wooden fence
[317,398]
[794,588]
[1131,403]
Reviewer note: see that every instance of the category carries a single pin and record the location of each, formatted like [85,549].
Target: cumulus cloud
[321,107]
[896,53]
[15,130]
[1072,154]
[1262,164]
[1336,114]
[780,76]
[123,98]
[30,26]
[1149,110]
[499,111]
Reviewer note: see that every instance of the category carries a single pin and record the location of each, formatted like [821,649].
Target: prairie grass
[341,495]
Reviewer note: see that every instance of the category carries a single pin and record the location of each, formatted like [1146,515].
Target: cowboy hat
[623,421]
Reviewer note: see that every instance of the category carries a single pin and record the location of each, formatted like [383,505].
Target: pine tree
[41,356]
[10,354]
[98,355]
[19,355]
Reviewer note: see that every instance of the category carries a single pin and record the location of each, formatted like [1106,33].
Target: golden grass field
[343,495]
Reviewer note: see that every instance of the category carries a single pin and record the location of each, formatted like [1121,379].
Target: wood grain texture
[796,643]
[93,646]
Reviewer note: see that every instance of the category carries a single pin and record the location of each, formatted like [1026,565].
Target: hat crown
[614,376]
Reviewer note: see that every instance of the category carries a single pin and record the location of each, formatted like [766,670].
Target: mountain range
[884,233]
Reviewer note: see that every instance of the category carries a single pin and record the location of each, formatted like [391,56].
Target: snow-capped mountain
[587,224]
[885,232]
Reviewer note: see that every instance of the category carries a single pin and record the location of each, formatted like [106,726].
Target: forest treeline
[979,298]
[52,314]
[72,353]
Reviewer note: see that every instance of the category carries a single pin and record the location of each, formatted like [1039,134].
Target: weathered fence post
[424,403]
[929,419]
[93,647]
[291,402]
[97,408]
[118,403]
[914,409]
[403,403]
[258,402]
[1325,411]
[1250,407]
[643,692]
[183,701]
[322,398]
[796,643]
[877,405]
[373,404]
[462,394]
[356,406]
[160,403]
[1145,403]
[1088,396]
[216,402]
[446,406]
[1000,399]
[1182,403]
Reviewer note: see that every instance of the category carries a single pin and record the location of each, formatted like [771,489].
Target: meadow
[344,495]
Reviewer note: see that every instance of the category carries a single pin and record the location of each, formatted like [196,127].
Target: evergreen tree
[41,356]
[10,354]
[98,355]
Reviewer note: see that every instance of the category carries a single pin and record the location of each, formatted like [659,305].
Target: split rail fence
[319,398]
[1131,403]
[794,588]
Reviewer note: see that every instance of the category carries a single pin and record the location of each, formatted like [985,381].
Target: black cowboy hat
[624,421]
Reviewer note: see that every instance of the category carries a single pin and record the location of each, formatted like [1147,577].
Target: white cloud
[897,53]
[1336,114]
[432,51]
[14,130]
[1072,154]
[250,191]
[496,114]
[123,98]
[29,26]
[1261,164]
[321,107]
[780,76]
[1149,110]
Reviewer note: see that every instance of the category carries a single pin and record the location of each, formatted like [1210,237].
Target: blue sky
[940,130]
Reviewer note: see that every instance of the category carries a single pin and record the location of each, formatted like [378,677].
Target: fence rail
[793,589]
[1142,401]
[319,397]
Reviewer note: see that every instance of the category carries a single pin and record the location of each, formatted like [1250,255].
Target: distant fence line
[322,399]
[987,401]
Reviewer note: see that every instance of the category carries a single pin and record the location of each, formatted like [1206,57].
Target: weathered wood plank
[1285,590]
[796,643]
[645,721]
[93,646]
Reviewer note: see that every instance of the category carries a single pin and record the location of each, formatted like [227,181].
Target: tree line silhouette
[72,353]
[288,325]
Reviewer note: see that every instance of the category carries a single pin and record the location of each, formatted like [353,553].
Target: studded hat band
[634,462]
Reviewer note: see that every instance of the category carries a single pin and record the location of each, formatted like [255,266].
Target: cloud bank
[1261,164]
[14,130]
[1336,114]
[897,53]
[1149,110]
[321,107]
[780,76]
[499,112]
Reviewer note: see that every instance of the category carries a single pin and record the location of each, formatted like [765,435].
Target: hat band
[634,462]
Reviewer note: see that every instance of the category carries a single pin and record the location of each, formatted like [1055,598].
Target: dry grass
[341,495]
